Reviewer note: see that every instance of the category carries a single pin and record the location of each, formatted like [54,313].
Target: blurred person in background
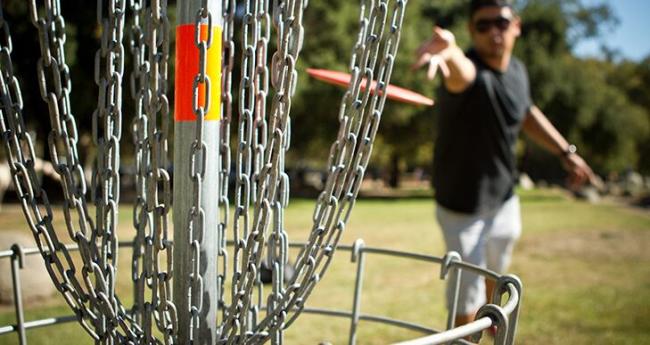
[483,105]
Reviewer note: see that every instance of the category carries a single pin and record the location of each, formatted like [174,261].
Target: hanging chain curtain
[261,186]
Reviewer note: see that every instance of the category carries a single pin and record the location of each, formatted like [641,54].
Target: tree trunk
[394,177]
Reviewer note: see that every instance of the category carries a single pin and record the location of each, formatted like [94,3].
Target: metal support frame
[456,273]
[508,285]
[186,191]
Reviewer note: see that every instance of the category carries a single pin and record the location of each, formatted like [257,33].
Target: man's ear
[516,25]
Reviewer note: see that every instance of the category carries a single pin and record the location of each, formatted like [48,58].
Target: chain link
[228,62]
[253,90]
[243,169]
[278,242]
[92,297]
[152,254]
[107,132]
[141,218]
[198,156]
[267,185]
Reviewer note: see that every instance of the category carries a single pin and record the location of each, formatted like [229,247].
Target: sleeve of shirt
[529,98]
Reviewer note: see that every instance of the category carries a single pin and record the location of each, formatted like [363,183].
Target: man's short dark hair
[476,5]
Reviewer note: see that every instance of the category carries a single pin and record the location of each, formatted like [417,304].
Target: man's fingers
[422,59]
[576,179]
[597,182]
[444,68]
[434,62]
[425,46]
[581,174]
[429,53]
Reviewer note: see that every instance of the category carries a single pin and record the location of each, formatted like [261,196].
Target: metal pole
[453,287]
[17,263]
[359,257]
[196,169]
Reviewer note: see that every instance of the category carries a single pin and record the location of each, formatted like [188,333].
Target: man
[484,104]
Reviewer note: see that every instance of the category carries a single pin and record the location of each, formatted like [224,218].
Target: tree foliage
[603,105]
[331,29]
[585,98]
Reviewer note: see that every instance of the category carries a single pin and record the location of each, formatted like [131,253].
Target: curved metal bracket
[447,261]
[499,319]
[18,252]
[501,286]
[356,249]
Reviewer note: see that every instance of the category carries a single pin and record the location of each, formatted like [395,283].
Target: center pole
[197,112]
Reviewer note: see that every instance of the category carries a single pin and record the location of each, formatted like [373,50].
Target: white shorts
[484,239]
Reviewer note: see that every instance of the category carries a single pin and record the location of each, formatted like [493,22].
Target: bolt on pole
[197,112]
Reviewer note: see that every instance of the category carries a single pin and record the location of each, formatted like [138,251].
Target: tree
[82,41]
[331,30]
[634,80]
[592,102]
[577,94]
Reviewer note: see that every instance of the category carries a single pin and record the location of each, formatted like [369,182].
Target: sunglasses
[484,25]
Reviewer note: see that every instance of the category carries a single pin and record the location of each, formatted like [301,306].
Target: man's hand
[442,52]
[580,172]
[540,129]
[435,52]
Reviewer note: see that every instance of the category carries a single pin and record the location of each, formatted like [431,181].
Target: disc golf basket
[204,286]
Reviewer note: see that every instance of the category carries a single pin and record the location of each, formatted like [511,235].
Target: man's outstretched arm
[542,131]
[441,51]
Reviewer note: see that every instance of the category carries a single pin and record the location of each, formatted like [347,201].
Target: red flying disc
[392,92]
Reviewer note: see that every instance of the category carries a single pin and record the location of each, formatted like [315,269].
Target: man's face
[494,31]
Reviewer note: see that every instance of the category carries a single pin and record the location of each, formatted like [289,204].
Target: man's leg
[499,256]
[465,234]
[504,232]
[489,289]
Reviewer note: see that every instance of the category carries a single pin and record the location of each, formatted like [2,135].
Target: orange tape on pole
[187,66]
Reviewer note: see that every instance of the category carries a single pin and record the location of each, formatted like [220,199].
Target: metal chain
[94,304]
[287,19]
[243,173]
[34,200]
[259,91]
[228,62]
[359,119]
[278,242]
[160,183]
[198,154]
[106,133]
[253,90]
[141,218]
[101,294]
[152,255]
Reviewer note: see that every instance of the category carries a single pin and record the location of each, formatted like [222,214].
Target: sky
[631,37]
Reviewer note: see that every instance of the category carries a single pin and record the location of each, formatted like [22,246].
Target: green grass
[585,269]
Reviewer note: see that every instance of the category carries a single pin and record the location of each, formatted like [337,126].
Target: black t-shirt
[474,166]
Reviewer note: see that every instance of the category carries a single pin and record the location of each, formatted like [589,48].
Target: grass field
[585,269]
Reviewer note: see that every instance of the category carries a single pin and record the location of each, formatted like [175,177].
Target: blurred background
[589,66]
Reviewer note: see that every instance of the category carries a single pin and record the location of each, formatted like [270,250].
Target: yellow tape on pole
[187,66]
